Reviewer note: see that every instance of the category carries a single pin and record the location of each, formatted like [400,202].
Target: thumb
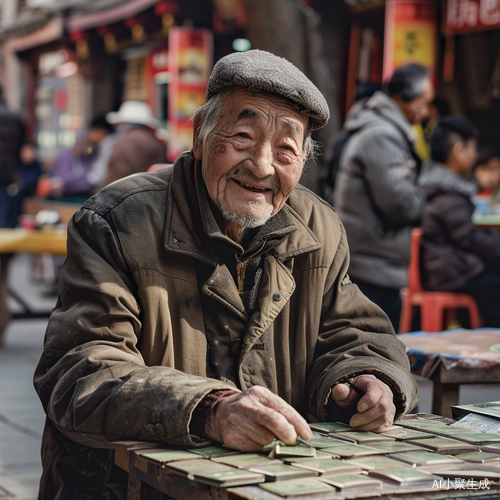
[341,392]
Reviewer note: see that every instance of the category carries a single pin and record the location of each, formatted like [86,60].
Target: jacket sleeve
[356,337]
[387,170]
[92,380]
[455,215]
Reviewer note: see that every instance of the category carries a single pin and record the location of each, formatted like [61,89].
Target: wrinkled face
[418,109]
[253,159]
[488,174]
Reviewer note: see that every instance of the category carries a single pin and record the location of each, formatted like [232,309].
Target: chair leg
[432,315]
[474,316]
[406,314]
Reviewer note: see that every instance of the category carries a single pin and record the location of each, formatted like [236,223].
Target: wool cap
[258,70]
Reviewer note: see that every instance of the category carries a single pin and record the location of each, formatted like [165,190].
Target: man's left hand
[374,411]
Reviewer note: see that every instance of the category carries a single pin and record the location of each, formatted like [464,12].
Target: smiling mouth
[252,188]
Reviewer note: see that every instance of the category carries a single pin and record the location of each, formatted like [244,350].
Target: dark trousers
[388,299]
[485,288]
[9,206]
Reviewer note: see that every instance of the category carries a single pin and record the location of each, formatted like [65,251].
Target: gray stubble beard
[243,220]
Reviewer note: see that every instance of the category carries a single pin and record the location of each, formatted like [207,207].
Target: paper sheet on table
[464,348]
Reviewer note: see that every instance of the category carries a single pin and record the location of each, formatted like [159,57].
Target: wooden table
[14,241]
[447,384]
[148,481]
[447,381]
[488,222]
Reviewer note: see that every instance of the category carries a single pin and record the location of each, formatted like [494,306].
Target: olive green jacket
[126,351]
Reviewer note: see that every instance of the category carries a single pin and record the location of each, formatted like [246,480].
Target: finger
[374,390]
[277,423]
[341,393]
[247,438]
[233,424]
[380,424]
[279,417]
[384,410]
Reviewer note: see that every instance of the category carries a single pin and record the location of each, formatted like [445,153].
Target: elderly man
[375,194]
[211,301]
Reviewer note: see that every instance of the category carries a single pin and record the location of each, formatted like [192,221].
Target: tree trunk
[289,30]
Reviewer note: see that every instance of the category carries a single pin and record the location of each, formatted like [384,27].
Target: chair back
[414,280]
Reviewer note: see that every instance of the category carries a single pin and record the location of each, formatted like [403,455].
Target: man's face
[418,109]
[253,159]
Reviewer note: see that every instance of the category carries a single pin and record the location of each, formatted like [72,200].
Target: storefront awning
[52,30]
[29,21]
[105,12]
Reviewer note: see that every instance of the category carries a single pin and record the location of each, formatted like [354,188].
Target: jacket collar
[381,105]
[191,228]
[436,176]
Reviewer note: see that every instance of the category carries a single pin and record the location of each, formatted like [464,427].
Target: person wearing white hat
[137,146]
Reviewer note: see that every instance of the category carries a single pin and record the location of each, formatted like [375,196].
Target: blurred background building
[64,62]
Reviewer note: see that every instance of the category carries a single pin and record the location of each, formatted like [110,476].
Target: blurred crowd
[113,146]
[402,160]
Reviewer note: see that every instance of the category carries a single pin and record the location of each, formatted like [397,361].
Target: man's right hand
[252,419]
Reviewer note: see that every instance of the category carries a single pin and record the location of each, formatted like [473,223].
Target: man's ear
[457,148]
[197,144]
[308,152]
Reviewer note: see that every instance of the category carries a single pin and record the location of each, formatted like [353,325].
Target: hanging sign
[410,35]
[466,16]
[190,64]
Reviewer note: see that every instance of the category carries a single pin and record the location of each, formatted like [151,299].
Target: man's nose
[263,159]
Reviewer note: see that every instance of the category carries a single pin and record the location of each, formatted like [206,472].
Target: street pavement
[21,414]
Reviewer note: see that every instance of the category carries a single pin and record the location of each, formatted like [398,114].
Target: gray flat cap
[260,70]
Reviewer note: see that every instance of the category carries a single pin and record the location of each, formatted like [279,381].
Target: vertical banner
[410,35]
[190,56]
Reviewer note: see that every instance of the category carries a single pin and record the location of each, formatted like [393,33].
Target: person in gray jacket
[375,192]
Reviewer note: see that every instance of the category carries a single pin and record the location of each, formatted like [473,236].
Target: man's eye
[288,148]
[244,135]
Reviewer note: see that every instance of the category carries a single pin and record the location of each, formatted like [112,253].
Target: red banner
[190,64]
[410,34]
[465,16]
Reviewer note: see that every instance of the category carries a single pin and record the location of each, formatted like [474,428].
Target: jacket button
[277,297]
[161,429]
[151,429]
[235,347]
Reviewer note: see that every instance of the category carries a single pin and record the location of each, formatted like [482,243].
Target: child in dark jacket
[456,255]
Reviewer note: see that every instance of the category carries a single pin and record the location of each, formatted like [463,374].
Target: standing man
[375,194]
[136,146]
[210,300]
[11,140]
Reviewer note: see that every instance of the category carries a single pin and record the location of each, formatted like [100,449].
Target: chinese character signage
[410,35]
[190,63]
[465,16]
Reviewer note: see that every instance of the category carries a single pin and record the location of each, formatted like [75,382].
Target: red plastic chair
[435,307]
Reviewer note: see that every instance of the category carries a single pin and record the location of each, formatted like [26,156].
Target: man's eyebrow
[245,114]
[292,127]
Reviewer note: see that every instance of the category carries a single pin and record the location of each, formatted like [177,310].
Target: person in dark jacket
[375,192]
[456,255]
[11,140]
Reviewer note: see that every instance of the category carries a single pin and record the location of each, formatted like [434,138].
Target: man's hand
[374,411]
[251,419]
